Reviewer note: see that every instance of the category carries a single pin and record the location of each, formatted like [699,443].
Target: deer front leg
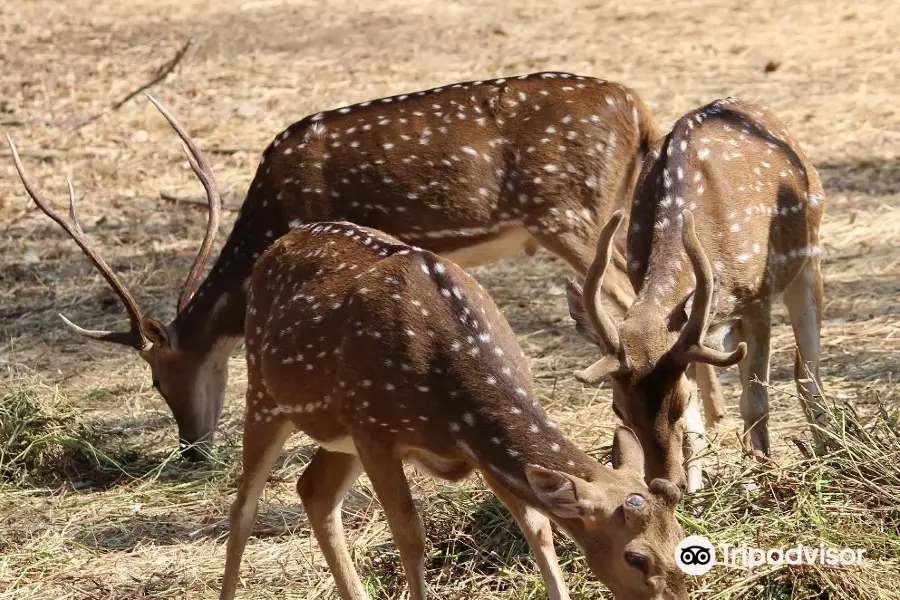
[322,488]
[756,332]
[711,392]
[263,440]
[803,298]
[392,490]
[539,536]
[694,444]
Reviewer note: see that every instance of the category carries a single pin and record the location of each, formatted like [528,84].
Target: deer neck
[506,454]
[667,281]
[216,312]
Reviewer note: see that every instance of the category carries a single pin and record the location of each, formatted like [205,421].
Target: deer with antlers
[383,353]
[474,171]
[724,219]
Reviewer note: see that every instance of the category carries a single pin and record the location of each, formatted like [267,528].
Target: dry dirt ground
[257,66]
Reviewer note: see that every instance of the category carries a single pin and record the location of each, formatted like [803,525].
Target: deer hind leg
[694,444]
[392,489]
[803,298]
[539,536]
[756,331]
[263,440]
[322,488]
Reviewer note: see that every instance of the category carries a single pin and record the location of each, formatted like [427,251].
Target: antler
[204,172]
[690,342]
[600,321]
[134,338]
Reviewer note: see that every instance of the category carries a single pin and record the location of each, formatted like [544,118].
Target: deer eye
[635,560]
[156,384]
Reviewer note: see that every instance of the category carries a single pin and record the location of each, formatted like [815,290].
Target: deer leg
[756,332]
[803,298]
[263,441]
[711,392]
[579,252]
[694,443]
[322,488]
[392,489]
[539,536]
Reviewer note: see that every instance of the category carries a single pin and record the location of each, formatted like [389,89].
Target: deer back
[353,334]
[450,166]
[756,198]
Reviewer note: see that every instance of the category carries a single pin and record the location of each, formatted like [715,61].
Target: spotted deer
[474,171]
[384,353]
[724,219]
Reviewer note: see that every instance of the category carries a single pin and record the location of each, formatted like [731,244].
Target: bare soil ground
[829,69]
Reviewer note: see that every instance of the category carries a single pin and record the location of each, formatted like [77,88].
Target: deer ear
[578,314]
[681,313]
[627,453]
[688,306]
[156,332]
[559,492]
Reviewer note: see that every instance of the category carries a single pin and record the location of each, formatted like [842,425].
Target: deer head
[191,383]
[633,560]
[648,353]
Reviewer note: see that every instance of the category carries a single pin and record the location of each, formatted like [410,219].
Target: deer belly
[504,244]
[441,467]
[342,444]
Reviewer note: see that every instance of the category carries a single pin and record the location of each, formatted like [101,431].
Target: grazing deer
[724,219]
[474,171]
[383,353]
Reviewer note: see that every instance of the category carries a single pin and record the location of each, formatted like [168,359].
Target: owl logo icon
[695,555]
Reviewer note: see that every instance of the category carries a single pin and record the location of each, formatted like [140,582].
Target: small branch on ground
[18,311]
[198,201]
[161,73]
[229,151]
[41,155]
[802,447]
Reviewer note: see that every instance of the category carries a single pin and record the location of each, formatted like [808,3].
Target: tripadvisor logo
[696,555]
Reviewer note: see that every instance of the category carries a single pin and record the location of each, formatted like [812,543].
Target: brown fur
[756,203]
[385,353]
[476,171]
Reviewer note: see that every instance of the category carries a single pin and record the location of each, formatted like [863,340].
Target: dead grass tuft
[44,440]
[848,498]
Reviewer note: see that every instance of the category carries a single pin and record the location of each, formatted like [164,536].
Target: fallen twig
[41,155]
[198,201]
[229,151]
[158,76]
[18,311]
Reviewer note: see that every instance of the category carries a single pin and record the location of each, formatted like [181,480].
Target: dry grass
[120,518]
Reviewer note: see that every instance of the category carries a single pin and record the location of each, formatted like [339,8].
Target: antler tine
[593,281]
[690,342]
[134,337]
[204,172]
